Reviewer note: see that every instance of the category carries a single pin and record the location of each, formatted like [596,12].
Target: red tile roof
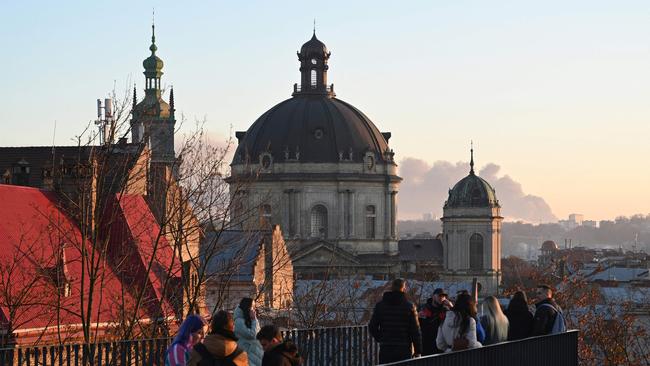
[38,240]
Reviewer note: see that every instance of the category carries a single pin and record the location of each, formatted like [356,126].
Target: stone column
[352,213]
[341,213]
[393,214]
[387,211]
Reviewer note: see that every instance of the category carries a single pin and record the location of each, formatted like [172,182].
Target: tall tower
[471,228]
[153,119]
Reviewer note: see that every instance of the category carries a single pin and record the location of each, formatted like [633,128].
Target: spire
[314,35]
[135,98]
[471,161]
[171,101]
[153,47]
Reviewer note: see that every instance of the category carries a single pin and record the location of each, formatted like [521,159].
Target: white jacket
[448,332]
[247,338]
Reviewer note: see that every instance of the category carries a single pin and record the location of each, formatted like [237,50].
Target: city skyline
[556,95]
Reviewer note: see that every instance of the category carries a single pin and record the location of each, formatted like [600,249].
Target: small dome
[549,246]
[472,191]
[152,63]
[313,47]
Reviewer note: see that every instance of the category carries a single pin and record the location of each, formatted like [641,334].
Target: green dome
[152,63]
[472,191]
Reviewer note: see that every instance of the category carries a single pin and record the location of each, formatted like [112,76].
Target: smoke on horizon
[426,187]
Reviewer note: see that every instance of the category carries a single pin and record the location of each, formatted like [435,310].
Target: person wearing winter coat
[220,344]
[544,315]
[458,331]
[520,319]
[189,333]
[277,352]
[394,325]
[494,322]
[431,315]
[246,328]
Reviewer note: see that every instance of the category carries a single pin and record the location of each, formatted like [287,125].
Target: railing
[321,346]
[556,350]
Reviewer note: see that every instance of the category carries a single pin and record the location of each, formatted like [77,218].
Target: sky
[555,93]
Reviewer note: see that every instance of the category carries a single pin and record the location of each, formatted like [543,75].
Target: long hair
[465,310]
[497,323]
[245,305]
[193,323]
[518,303]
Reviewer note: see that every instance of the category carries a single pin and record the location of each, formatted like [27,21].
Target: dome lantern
[313,57]
[153,67]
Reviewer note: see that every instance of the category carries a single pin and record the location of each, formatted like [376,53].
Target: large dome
[472,191]
[314,129]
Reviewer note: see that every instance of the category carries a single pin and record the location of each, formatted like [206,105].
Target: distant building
[471,233]
[253,264]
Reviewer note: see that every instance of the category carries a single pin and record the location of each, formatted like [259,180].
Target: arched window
[265,216]
[371,219]
[319,221]
[476,252]
[314,79]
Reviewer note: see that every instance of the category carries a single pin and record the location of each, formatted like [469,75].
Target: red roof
[41,250]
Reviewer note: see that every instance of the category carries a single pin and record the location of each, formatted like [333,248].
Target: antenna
[105,123]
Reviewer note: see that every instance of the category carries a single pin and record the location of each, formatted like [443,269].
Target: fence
[321,346]
[557,350]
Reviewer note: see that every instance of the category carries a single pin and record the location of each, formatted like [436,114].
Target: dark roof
[472,191]
[312,128]
[231,253]
[313,46]
[549,245]
[418,250]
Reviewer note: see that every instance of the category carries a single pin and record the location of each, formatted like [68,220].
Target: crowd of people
[402,331]
[234,340]
[442,325]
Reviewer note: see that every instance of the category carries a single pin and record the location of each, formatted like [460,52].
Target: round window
[318,134]
[313,61]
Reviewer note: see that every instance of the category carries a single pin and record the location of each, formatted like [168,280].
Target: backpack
[559,325]
[208,359]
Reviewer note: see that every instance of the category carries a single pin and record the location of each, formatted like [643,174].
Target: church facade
[321,169]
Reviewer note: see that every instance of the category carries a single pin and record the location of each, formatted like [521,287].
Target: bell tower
[313,57]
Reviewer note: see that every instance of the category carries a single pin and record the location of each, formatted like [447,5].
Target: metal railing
[336,346]
[351,345]
[556,349]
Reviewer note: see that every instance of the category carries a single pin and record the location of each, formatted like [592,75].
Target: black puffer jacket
[394,322]
[520,323]
[544,317]
[284,354]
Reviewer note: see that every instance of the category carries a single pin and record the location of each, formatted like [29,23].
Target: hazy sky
[556,93]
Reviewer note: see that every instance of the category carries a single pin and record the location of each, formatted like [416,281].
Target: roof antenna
[471,161]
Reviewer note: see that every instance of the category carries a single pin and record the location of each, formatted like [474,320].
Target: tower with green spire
[153,119]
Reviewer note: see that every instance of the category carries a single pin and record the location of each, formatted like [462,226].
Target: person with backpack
[277,352]
[394,325]
[219,348]
[246,328]
[189,333]
[548,318]
[458,331]
[431,315]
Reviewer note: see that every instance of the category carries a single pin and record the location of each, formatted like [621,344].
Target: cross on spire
[471,161]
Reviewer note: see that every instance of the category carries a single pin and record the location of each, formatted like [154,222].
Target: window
[265,216]
[476,252]
[371,219]
[314,79]
[319,221]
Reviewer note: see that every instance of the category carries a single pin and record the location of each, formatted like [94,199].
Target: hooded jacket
[394,322]
[220,344]
[247,338]
[284,354]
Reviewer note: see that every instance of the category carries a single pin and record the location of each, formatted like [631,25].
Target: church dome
[549,246]
[314,129]
[472,191]
[313,126]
